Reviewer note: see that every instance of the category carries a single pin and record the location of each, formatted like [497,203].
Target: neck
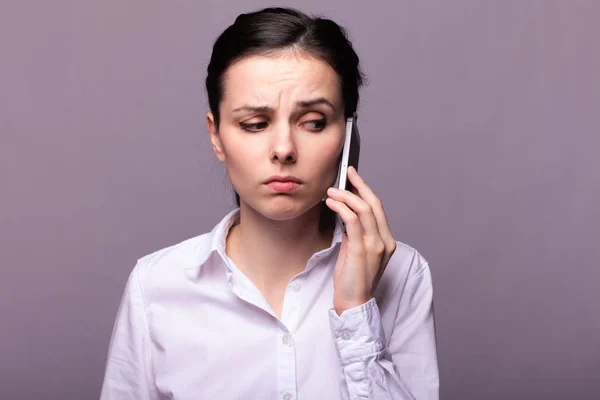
[271,252]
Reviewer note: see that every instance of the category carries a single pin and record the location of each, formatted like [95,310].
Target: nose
[283,148]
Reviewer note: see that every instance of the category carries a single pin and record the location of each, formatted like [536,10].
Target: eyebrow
[314,102]
[301,104]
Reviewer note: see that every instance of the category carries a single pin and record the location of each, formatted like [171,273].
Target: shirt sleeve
[406,367]
[128,373]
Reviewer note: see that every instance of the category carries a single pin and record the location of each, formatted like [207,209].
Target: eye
[254,127]
[316,125]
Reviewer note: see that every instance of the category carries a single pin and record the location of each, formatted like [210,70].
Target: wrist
[343,306]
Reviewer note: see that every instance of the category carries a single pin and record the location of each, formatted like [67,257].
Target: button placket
[346,335]
[287,340]
[292,304]
[286,365]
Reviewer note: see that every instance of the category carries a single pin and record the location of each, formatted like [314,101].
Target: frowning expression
[282,118]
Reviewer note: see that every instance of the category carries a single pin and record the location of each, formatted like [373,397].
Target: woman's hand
[363,255]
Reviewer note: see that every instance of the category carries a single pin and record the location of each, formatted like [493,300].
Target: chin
[282,207]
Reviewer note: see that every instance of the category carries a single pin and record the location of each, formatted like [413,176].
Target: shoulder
[406,264]
[405,284]
[408,260]
[170,263]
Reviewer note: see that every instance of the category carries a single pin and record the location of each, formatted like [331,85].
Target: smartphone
[350,153]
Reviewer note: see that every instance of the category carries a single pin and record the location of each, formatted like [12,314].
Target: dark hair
[275,29]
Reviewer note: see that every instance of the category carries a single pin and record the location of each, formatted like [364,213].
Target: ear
[214,137]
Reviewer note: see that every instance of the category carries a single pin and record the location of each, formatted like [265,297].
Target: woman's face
[280,115]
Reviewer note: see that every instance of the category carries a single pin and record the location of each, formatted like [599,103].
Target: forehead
[272,78]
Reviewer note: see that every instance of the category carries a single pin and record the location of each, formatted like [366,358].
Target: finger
[361,208]
[365,192]
[350,219]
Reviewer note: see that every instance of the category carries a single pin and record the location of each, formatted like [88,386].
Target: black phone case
[354,153]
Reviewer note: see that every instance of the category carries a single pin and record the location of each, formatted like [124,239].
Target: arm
[406,367]
[128,373]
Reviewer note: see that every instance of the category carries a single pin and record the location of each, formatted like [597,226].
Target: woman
[278,301]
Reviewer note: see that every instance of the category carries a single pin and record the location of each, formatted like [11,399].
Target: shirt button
[287,340]
[287,396]
[296,287]
[346,335]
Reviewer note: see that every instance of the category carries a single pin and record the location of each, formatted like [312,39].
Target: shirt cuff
[358,332]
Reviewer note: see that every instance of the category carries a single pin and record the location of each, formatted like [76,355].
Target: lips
[283,184]
[283,178]
[284,187]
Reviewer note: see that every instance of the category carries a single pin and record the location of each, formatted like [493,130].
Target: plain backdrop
[488,111]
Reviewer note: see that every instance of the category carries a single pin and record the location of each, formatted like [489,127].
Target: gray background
[480,134]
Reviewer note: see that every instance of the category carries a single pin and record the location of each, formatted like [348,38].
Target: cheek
[238,160]
[325,162]
[331,151]
[238,167]
[239,154]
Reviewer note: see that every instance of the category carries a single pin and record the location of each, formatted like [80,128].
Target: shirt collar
[218,236]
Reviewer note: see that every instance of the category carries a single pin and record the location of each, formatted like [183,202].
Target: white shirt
[191,325]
